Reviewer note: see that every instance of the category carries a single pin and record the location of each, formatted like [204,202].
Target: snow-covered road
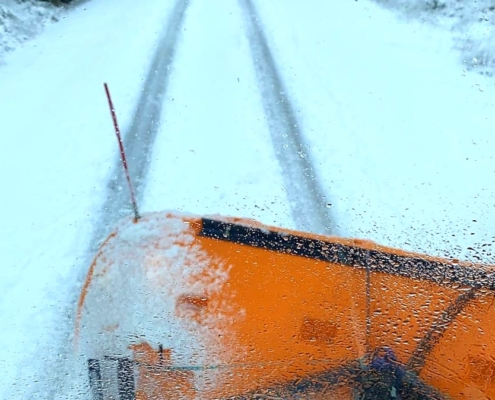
[399,138]
[140,137]
[214,155]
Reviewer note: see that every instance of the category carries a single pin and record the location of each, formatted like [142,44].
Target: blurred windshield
[369,119]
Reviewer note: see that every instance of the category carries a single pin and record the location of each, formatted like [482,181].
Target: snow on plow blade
[184,307]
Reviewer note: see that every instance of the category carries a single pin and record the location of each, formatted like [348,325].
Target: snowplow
[178,306]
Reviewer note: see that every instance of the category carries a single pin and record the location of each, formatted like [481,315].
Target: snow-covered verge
[472,24]
[20,20]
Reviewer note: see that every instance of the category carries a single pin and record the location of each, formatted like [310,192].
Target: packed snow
[401,132]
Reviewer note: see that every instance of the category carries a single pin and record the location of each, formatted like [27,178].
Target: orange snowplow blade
[184,307]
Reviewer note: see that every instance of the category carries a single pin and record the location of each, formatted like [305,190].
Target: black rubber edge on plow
[94,372]
[125,379]
[441,273]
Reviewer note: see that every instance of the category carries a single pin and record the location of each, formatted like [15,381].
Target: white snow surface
[402,138]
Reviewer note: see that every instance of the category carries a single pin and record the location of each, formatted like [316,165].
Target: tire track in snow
[140,138]
[306,196]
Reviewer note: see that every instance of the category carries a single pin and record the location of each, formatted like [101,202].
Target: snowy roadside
[472,25]
[22,20]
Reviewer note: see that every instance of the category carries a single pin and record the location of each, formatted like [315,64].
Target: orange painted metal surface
[225,315]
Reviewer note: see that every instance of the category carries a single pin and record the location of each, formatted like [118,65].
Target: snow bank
[472,24]
[21,20]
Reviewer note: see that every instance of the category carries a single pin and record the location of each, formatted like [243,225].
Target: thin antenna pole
[368,309]
[122,153]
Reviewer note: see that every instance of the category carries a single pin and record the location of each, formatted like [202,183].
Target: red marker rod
[122,153]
